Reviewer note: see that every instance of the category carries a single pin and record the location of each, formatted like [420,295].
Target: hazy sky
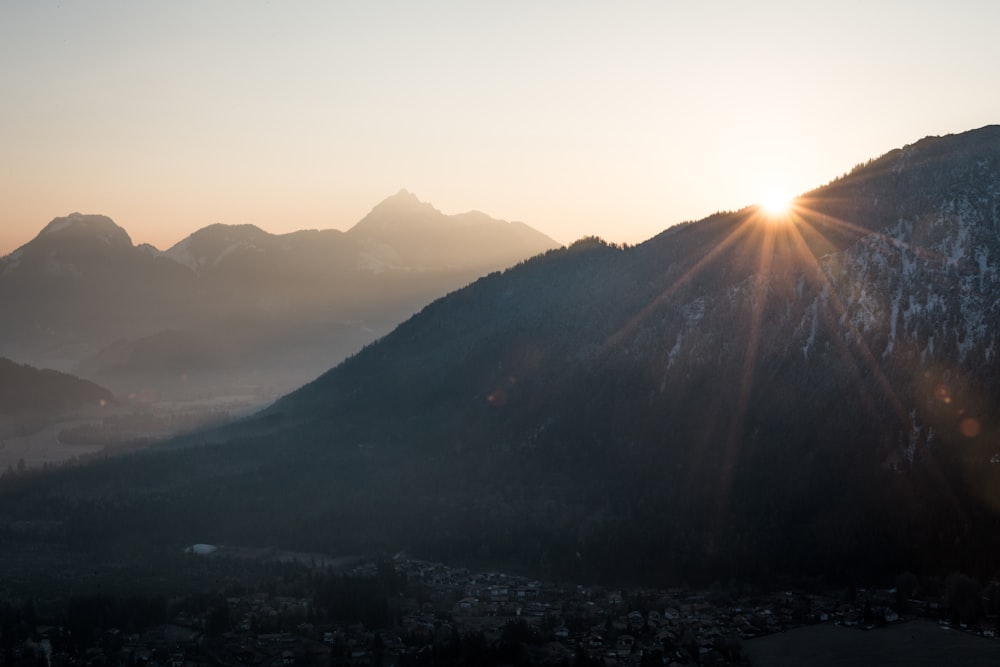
[610,118]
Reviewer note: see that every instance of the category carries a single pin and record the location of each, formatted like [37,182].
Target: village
[448,615]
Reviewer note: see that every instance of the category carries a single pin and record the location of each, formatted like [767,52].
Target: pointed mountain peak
[403,231]
[401,210]
[403,196]
[405,201]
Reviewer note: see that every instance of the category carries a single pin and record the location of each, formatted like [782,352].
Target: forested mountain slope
[746,395]
[25,390]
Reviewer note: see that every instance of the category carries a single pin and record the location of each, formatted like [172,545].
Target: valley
[741,403]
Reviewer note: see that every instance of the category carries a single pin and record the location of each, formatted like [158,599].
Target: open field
[913,644]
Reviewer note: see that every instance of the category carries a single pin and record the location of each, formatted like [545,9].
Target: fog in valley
[398,335]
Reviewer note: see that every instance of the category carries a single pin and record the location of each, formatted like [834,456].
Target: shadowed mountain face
[28,391]
[742,396]
[282,308]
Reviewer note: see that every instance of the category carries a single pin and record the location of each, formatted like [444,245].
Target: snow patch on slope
[927,288]
[182,254]
[59,225]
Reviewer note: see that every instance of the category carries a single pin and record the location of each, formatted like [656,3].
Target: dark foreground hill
[735,398]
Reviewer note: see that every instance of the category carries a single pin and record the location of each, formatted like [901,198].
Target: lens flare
[776,202]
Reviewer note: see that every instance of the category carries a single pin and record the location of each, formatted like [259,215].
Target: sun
[776,202]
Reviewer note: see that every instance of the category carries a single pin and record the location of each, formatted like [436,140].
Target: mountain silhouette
[283,307]
[402,231]
[736,398]
[81,283]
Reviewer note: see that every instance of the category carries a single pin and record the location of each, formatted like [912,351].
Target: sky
[616,119]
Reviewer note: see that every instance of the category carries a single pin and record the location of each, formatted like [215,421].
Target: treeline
[369,600]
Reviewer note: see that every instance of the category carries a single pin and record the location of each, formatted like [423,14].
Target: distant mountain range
[737,398]
[234,300]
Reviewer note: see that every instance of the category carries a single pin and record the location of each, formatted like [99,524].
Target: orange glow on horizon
[774,245]
[776,204]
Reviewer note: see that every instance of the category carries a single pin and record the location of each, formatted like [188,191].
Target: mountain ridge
[285,304]
[869,297]
[735,399]
[380,218]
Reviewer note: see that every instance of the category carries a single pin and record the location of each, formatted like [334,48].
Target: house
[498,592]
[467,606]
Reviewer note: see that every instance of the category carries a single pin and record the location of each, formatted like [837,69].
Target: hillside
[736,398]
[25,390]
